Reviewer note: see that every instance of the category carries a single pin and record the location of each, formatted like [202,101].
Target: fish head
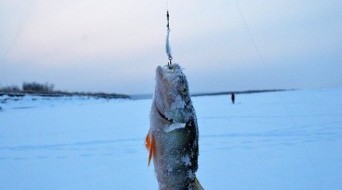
[172,96]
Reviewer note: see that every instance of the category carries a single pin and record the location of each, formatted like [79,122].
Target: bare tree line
[47,89]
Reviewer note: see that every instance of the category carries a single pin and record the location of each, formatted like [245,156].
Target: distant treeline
[47,89]
[28,87]
[36,87]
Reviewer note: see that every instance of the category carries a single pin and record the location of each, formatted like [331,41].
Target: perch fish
[172,140]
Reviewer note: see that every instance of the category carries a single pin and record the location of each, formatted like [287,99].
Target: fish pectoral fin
[197,185]
[150,144]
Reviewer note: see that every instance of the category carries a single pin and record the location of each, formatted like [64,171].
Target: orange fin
[150,144]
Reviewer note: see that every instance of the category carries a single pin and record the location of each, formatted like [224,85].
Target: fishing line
[167,4]
[284,104]
[307,152]
[18,32]
[249,33]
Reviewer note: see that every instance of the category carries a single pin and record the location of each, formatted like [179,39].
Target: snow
[186,160]
[283,140]
[174,126]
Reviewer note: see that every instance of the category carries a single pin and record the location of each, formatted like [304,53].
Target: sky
[223,45]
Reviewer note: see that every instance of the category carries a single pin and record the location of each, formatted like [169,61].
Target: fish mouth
[164,117]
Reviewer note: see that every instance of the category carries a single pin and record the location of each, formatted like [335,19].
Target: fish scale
[172,139]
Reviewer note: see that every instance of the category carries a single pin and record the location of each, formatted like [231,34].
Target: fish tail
[197,185]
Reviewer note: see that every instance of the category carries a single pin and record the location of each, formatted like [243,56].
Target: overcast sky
[115,46]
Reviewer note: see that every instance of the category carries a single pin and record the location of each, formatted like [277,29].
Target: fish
[172,140]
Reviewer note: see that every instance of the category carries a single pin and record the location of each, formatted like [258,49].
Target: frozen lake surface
[282,140]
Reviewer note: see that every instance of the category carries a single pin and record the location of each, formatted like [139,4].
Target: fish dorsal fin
[150,144]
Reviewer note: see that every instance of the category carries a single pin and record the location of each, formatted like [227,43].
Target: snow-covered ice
[283,140]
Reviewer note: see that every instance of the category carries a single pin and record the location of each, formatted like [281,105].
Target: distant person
[233,98]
